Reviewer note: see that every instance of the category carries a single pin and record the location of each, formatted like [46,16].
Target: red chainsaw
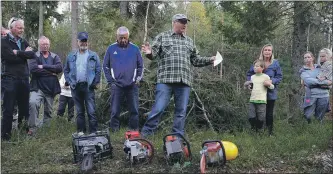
[137,149]
[216,152]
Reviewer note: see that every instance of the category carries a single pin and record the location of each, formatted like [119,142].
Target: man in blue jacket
[83,72]
[44,84]
[123,69]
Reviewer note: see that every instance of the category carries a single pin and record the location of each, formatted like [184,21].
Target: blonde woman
[273,70]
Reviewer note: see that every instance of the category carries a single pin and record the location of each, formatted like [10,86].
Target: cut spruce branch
[204,111]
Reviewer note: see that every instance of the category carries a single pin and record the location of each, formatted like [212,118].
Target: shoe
[31,132]
[309,120]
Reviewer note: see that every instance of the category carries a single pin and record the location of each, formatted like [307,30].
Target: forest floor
[294,148]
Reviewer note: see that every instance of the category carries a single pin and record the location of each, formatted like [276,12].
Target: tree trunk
[123,6]
[74,22]
[41,19]
[301,22]
[146,23]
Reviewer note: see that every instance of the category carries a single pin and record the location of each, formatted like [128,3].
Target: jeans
[269,115]
[132,96]
[318,106]
[84,98]
[14,90]
[36,99]
[63,102]
[163,94]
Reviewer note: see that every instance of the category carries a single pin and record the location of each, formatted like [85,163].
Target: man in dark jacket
[44,82]
[15,75]
[123,69]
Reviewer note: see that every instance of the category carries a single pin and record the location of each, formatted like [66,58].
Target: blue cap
[82,35]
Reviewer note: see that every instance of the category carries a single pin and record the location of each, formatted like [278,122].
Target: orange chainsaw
[176,148]
[137,149]
[216,153]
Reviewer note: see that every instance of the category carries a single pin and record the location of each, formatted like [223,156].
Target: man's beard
[83,48]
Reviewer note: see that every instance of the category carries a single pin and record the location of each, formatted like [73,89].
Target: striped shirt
[175,54]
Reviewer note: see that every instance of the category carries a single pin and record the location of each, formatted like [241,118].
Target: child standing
[65,99]
[258,99]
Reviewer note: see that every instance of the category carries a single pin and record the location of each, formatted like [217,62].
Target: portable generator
[137,150]
[176,148]
[216,153]
[87,148]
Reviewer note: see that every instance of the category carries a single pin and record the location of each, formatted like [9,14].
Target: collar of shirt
[42,55]
[173,33]
[17,41]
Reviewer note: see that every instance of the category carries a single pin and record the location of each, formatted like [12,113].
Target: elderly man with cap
[15,75]
[175,52]
[123,69]
[83,72]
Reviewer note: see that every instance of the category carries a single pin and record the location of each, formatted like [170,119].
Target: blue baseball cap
[82,35]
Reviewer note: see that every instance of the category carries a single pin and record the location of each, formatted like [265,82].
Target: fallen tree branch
[204,111]
[193,105]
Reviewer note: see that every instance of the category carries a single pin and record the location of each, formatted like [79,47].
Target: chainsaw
[176,149]
[137,150]
[87,148]
[216,153]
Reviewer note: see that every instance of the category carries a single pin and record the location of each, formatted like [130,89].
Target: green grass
[291,150]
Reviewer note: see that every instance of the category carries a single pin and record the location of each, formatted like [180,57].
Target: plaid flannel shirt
[175,54]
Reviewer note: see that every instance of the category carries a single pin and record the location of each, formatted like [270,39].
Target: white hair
[122,30]
[12,22]
[328,53]
[43,38]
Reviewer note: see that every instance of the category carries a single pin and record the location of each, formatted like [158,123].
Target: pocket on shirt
[189,49]
[92,64]
[167,47]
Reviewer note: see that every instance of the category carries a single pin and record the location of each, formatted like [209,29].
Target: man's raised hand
[146,48]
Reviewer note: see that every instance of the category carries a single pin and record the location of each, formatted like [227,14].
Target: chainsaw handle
[216,141]
[148,142]
[181,136]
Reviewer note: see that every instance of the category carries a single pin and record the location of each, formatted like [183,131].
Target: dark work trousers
[84,98]
[63,102]
[132,97]
[14,90]
[269,115]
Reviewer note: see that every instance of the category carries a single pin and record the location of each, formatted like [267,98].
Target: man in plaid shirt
[175,53]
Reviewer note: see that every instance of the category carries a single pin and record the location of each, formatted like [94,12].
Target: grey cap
[179,16]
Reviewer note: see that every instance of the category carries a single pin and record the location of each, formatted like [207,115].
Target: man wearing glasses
[15,75]
[83,72]
[175,52]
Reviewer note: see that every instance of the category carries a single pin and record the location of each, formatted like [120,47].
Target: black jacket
[47,74]
[15,66]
